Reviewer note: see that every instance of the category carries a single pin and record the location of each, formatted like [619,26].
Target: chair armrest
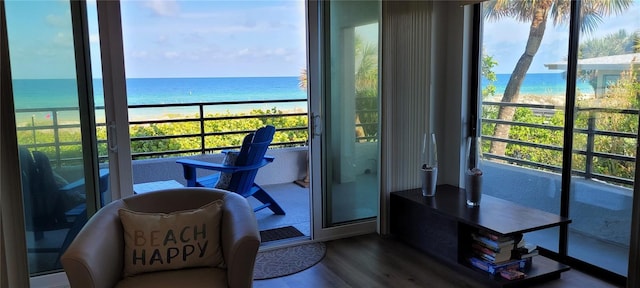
[75,212]
[79,184]
[221,167]
[240,240]
[207,165]
[267,157]
[189,167]
[95,259]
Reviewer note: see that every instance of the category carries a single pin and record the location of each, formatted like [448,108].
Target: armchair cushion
[169,241]
[225,178]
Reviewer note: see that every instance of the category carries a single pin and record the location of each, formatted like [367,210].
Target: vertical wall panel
[14,269]
[405,81]
[405,89]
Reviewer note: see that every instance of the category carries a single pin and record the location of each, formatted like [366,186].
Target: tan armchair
[95,257]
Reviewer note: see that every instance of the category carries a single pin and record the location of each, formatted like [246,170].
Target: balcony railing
[590,132]
[53,127]
[204,118]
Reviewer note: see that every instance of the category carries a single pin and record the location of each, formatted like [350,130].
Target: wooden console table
[442,225]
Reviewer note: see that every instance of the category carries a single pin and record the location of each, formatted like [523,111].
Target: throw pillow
[225,178]
[160,241]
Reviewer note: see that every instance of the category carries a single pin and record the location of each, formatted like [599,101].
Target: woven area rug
[279,233]
[289,260]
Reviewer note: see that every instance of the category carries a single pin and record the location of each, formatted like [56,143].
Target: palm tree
[366,84]
[537,13]
[302,79]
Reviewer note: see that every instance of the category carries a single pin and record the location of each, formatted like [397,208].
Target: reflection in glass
[524,119]
[522,162]
[352,130]
[605,132]
[48,127]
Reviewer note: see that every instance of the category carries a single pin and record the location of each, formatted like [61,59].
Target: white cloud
[162,39]
[243,52]
[63,39]
[264,54]
[59,20]
[277,51]
[171,55]
[163,7]
[94,38]
[140,54]
[223,37]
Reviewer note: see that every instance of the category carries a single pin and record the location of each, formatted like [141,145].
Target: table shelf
[442,225]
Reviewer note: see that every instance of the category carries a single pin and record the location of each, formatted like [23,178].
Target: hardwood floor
[374,261]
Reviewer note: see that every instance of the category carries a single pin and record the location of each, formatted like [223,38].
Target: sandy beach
[45,118]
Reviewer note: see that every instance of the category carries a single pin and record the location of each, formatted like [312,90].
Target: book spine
[493,268]
[494,245]
[491,235]
[487,258]
[482,265]
[483,249]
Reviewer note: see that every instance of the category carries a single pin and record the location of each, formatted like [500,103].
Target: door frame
[317,50]
[116,112]
[115,99]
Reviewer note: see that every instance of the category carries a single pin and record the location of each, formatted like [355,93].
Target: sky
[167,38]
[40,39]
[505,40]
[216,38]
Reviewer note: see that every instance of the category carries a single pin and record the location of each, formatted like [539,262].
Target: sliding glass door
[345,99]
[605,139]
[55,126]
[560,118]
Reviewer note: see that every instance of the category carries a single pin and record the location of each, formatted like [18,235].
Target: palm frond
[497,9]
[561,12]
[589,20]
[594,11]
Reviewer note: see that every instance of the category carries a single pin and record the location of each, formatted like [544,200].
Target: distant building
[607,68]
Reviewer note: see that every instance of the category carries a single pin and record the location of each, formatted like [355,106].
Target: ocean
[56,93]
[549,84]
[44,93]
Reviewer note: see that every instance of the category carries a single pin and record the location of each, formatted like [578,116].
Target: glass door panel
[51,139]
[99,100]
[351,125]
[605,137]
[523,107]
[530,137]
[201,75]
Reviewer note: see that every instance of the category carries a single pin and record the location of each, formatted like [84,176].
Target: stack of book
[492,248]
[525,251]
[495,253]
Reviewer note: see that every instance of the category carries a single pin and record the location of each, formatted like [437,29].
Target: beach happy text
[170,246]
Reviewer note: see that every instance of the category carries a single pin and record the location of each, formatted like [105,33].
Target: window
[532,101]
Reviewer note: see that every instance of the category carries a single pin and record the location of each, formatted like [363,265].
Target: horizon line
[198,77]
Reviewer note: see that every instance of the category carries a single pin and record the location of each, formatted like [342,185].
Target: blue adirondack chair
[44,202]
[243,173]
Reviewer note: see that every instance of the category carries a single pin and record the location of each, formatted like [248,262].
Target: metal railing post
[202,142]
[56,137]
[33,129]
[591,125]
